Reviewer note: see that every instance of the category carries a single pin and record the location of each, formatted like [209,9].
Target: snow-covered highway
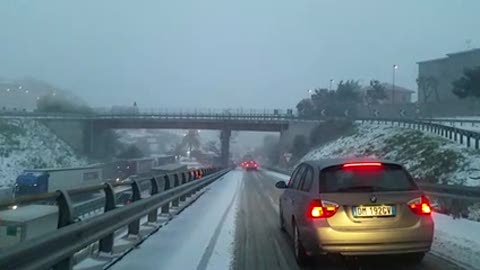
[234,225]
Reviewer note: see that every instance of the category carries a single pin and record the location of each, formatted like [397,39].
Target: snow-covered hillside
[27,144]
[426,155]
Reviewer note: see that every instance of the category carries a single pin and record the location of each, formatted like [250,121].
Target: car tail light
[322,209]
[362,164]
[420,205]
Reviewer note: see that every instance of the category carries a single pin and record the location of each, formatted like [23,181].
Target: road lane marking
[207,254]
[272,201]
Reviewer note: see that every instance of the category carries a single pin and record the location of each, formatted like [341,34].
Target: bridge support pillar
[98,142]
[225,135]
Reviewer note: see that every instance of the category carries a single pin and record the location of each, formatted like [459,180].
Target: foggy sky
[225,53]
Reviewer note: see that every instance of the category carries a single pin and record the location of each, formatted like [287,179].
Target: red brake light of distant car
[322,209]
[420,205]
[362,164]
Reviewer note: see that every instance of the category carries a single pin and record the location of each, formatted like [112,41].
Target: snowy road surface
[234,225]
[198,238]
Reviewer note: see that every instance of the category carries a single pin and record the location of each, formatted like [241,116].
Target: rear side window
[387,177]
[292,178]
[298,177]
[308,179]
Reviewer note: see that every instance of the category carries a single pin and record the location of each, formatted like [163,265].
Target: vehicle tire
[299,251]
[415,258]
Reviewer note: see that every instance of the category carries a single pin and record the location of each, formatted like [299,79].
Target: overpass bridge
[86,132]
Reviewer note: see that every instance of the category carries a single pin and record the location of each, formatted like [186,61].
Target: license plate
[374,211]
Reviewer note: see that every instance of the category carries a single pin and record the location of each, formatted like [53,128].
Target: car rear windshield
[387,177]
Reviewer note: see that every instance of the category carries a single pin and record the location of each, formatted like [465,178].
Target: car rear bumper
[375,248]
[323,240]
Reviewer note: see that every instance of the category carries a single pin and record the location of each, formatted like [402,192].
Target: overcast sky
[224,53]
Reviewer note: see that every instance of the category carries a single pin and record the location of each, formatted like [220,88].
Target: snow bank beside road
[278,176]
[424,154]
[27,144]
[457,240]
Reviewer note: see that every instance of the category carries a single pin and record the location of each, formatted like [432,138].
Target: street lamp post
[395,67]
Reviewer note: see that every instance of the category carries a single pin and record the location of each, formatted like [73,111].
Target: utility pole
[395,67]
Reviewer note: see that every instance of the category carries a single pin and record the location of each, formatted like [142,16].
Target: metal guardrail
[57,250]
[452,120]
[437,190]
[453,133]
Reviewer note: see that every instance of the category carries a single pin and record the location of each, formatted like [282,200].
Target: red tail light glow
[322,209]
[362,164]
[420,206]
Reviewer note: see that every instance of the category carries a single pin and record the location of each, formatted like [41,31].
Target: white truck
[26,222]
[47,180]
[6,193]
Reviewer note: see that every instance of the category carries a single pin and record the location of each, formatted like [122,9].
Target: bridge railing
[229,115]
[57,249]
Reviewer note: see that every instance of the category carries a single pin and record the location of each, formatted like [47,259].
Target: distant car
[250,165]
[355,208]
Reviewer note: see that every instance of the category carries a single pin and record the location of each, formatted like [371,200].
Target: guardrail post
[200,177]
[184,180]
[152,216]
[134,227]
[188,176]
[461,138]
[65,218]
[106,244]
[192,178]
[176,183]
[166,207]
[468,140]
[65,209]
[450,134]
[476,142]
